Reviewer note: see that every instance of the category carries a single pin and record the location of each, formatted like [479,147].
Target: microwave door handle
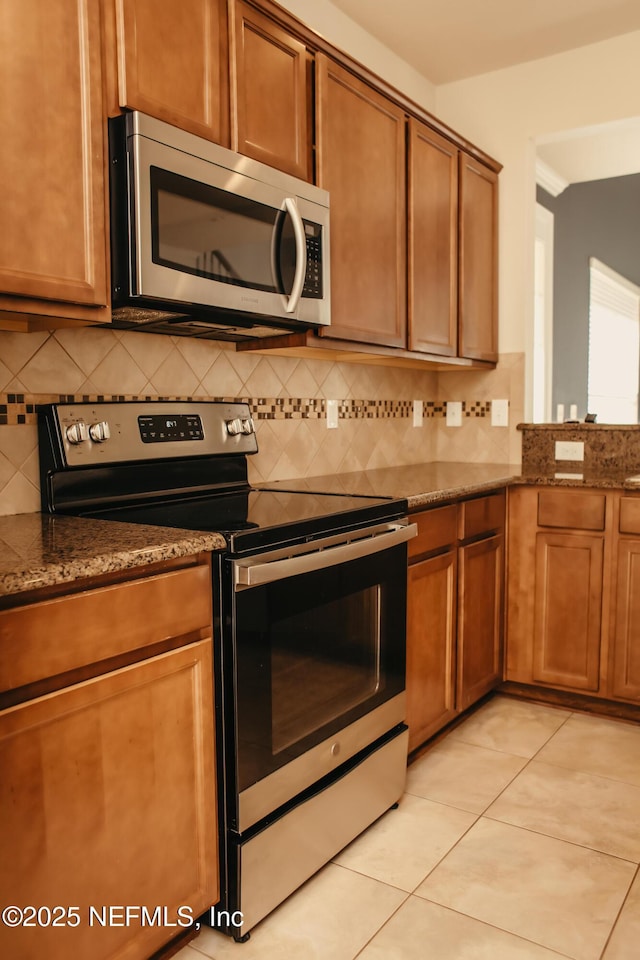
[301,254]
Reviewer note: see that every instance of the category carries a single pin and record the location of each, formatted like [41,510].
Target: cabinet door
[625,680]
[478,286]
[173,63]
[568,609]
[269,93]
[52,190]
[108,798]
[433,242]
[431,637]
[479,619]
[520,578]
[361,162]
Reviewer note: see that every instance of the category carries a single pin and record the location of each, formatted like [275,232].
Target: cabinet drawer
[629,515]
[482,515]
[436,529]
[577,510]
[49,638]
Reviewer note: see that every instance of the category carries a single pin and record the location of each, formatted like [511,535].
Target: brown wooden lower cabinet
[108,801]
[573,591]
[479,619]
[625,671]
[454,611]
[431,642]
[568,609]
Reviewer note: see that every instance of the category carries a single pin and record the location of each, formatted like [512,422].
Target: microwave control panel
[313,278]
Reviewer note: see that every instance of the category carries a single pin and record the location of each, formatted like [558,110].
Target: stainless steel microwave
[207,242]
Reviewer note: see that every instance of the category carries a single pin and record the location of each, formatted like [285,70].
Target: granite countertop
[426,483]
[37,550]
[420,484]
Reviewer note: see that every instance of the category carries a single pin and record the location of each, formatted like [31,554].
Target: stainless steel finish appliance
[309,632]
[209,243]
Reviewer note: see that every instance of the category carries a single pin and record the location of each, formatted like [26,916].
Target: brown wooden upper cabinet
[173,63]
[478,261]
[452,252]
[53,259]
[361,162]
[270,92]
[433,242]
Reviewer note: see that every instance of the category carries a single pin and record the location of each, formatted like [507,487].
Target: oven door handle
[319,555]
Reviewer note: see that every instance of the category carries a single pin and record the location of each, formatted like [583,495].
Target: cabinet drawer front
[55,636]
[436,529]
[630,515]
[482,515]
[580,511]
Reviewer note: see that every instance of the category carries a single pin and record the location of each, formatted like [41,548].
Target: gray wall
[600,218]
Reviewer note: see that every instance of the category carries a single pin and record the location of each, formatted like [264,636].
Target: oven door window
[314,653]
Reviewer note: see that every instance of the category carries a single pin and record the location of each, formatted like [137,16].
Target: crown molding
[548,179]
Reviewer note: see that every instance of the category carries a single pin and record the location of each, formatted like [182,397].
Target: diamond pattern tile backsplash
[287,396]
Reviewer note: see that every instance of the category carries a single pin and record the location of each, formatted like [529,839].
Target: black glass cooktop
[253,519]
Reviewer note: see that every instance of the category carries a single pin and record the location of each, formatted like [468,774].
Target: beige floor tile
[607,748]
[554,893]
[188,953]
[625,939]
[512,726]
[421,930]
[405,844]
[330,918]
[592,811]
[462,775]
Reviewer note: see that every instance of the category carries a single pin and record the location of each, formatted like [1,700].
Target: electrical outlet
[454,413]
[332,414]
[417,413]
[499,413]
[569,450]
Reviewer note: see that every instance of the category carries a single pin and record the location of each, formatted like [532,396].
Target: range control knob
[77,433]
[248,425]
[234,427]
[99,432]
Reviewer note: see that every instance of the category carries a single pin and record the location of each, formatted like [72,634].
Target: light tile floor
[518,838]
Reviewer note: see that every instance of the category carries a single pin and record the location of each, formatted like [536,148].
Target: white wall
[340,30]
[504,111]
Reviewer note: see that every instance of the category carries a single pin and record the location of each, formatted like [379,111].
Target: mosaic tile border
[21,408]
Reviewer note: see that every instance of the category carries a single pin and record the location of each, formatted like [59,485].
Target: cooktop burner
[258,518]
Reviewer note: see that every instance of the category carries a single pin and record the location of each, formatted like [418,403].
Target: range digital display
[161,428]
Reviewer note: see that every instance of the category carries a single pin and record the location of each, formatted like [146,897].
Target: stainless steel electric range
[309,628]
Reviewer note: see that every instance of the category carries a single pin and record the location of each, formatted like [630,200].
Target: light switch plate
[569,450]
[454,413]
[417,413]
[499,413]
[332,414]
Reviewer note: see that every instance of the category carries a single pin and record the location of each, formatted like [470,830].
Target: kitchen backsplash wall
[287,396]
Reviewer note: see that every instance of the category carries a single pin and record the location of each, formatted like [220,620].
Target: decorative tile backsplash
[22,408]
[287,397]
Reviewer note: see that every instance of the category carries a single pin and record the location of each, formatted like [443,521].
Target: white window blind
[614,345]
